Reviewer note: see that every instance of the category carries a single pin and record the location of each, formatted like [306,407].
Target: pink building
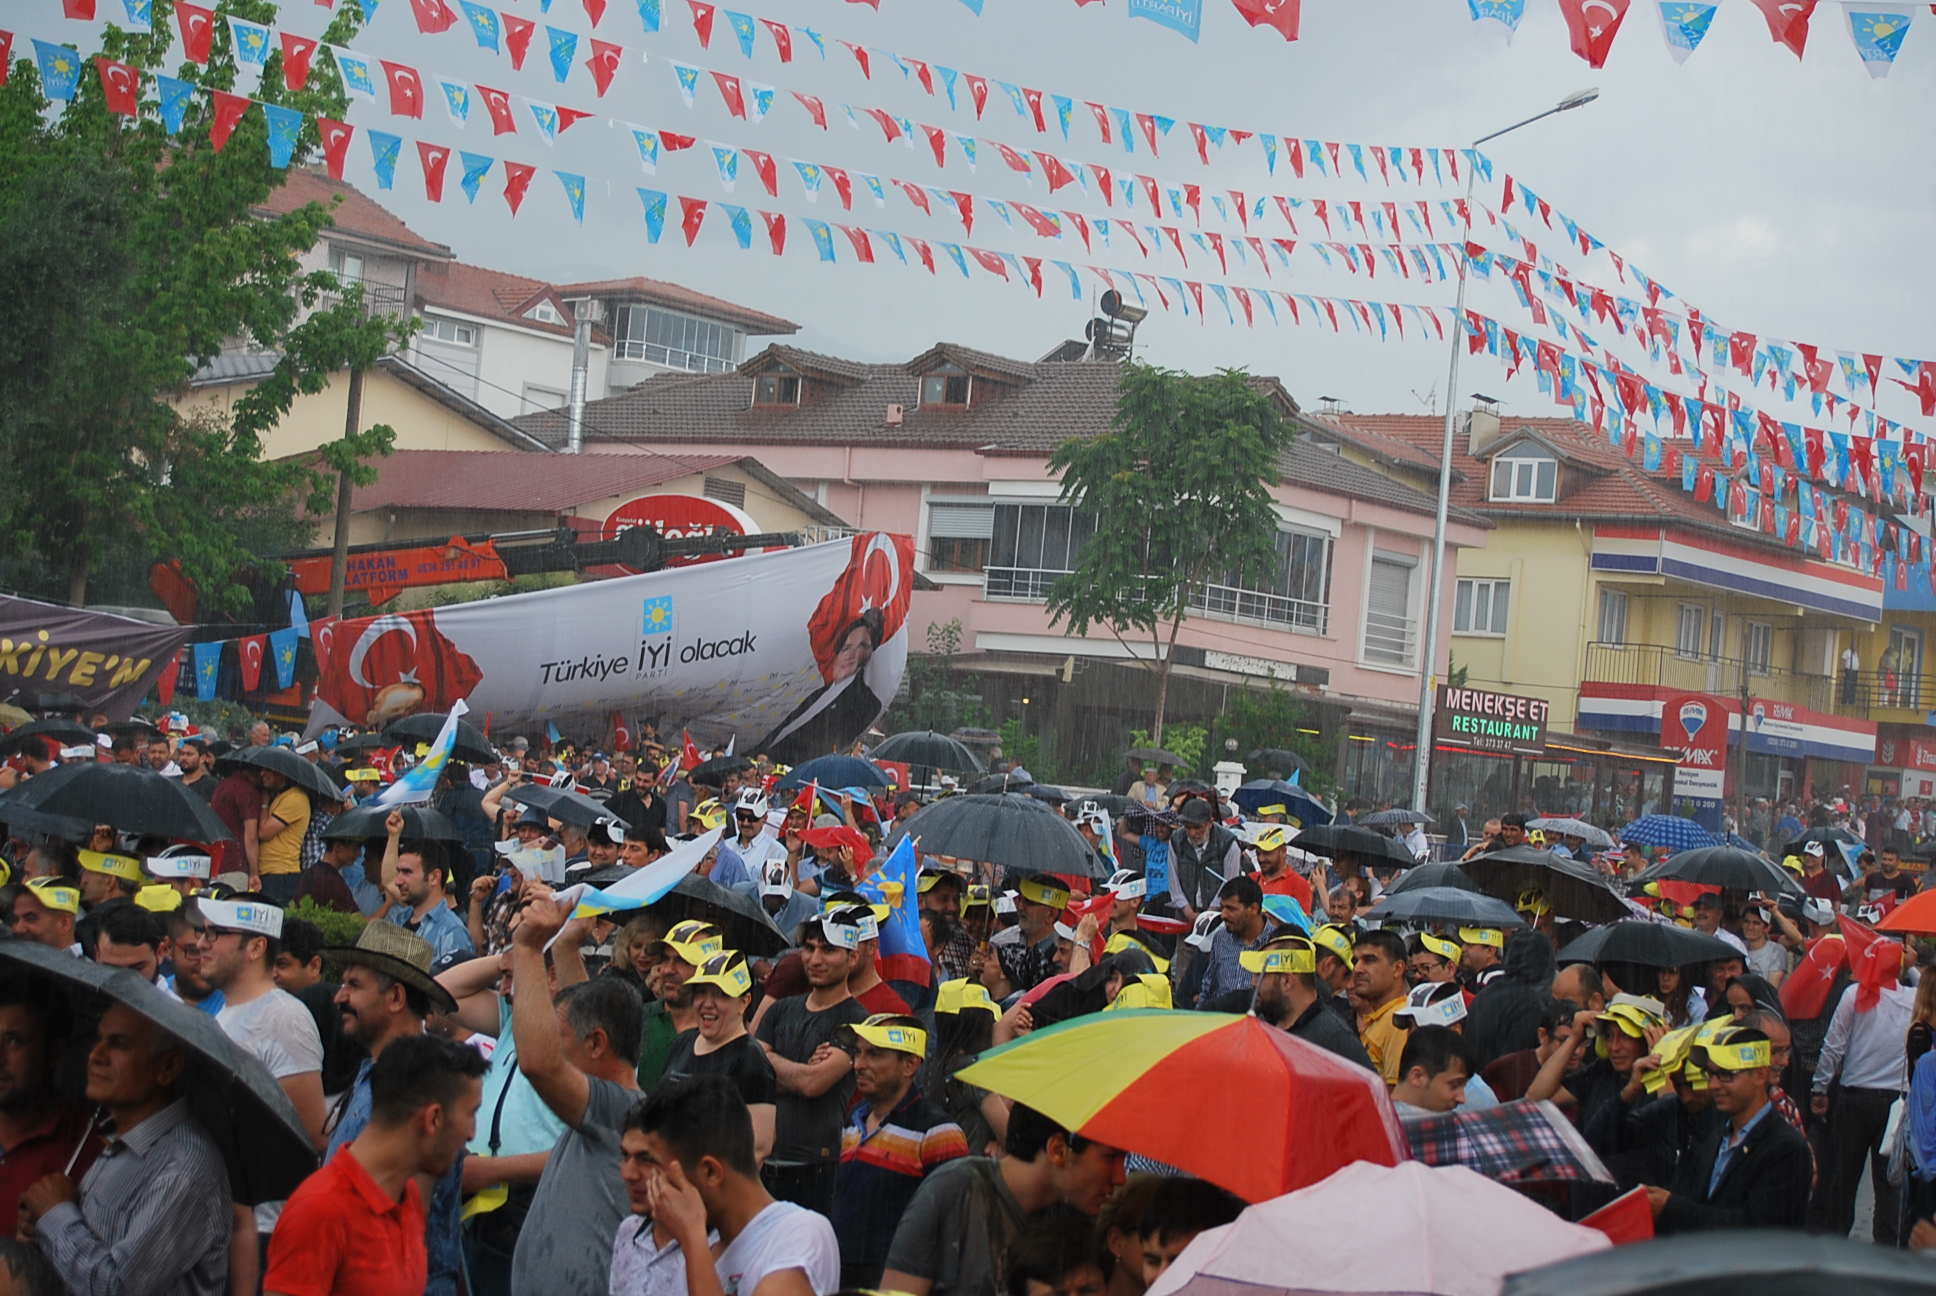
[953,446]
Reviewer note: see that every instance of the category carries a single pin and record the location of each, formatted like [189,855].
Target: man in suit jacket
[1754,1170]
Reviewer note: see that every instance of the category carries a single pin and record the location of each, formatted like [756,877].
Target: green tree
[129,257]
[1180,490]
[1275,717]
[931,696]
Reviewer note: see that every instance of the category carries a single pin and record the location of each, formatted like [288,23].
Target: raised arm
[534,1021]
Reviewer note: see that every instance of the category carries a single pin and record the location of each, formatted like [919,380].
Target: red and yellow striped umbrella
[1225,1098]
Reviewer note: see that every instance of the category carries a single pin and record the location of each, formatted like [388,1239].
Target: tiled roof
[811,363]
[674,297]
[1319,469]
[355,214]
[489,294]
[494,481]
[242,366]
[973,361]
[1390,449]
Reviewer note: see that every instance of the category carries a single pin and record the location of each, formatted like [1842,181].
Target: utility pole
[339,563]
[1741,776]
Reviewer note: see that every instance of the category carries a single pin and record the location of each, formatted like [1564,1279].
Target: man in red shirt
[239,803]
[1274,873]
[356,1227]
[1817,879]
[38,1132]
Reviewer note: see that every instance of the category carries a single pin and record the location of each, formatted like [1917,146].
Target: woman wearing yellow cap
[719,1045]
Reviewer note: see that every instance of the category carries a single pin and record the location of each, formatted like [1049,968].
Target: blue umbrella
[836,772]
[1301,804]
[1670,831]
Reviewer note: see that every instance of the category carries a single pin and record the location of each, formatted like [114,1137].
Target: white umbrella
[1442,1231]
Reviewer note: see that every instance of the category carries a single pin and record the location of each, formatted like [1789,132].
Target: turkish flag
[674,143]
[843,185]
[165,682]
[1592,25]
[1281,15]
[517,178]
[692,214]
[406,89]
[80,10]
[595,10]
[569,117]
[382,668]
[863,248]
[978,91]
[1627,1218]
[729,90]
[1016,162]
[990,262]
[690,758]
[498,104]
[251,650]
[228,112]
[6,61]
[120,83]
[764,166]
[197,30]
[336,144]
[434,158]
[433,15]
[621,733]
[517,38]
[876,588]
[702,22]
[1039,221]
[296,53]
[603,64]
[782,38]
[1055,170]
[776,233]
[1788,21]
[815,106]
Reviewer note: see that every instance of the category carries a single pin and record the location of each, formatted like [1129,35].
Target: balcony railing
[1390,640]
[1023,584]
[379,298]
[1877,690]
[1031,585]
[1659,666]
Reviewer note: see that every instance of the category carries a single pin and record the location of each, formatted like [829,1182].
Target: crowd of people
[508,1094]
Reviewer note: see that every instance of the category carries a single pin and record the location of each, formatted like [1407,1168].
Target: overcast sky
[1794,199]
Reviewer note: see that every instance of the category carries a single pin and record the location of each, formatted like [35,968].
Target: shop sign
[1696,725]
[1906,753]
[1494,722]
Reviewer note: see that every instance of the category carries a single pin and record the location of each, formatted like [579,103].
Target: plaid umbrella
[1520,1142]
[1671,831]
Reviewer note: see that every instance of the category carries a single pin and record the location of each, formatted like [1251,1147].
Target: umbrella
[64,733]
[471,744]
[280,760]
[1156,755]
[1431,875]
[13,715]
[365,742]
[231,1094]
[1394,818]
[1647,943]
[742,922]
[712,771]
[1723,866]
[1758,1262]
[47,825]
[1345,841]
[562,804]
[58,702]
[133,799]
[1114,1077]
[420,823]
[836,771]
[996,784]
[1518,1142]
[1670,831]
[930,750]
[1115,806]
[1278,758]
[1446,905]
[1305,808]
[1018,832]
[1575,890]
[1834,838]
[1441,1231]
[1595,837]
[1054,796]
[1915,916]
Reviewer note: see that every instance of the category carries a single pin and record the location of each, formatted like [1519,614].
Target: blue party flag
[141,13]
[383,156]
[282,647]
[1184,16]
[251,42]
[893,242]
[819,41]
[742,28]
[1877,34]
[810,178]
[419,782]
[727,160]
[564,45]
[902,955]
[368,9]
[547,118]
[285,127]
[60,69]
[823,239]
[1685,26]
[355,71]
[688,79]
[1075,280]
[655,212]
[483,23]
[967,143]
[741,222]
[1064,109]
[476,167]
[1015,97]
[974,5]
[208,668]
[574,193]
[948,78]
[954,254]
[1123,131]
[1502,15]
[649,14]
[552,733]
[648,142]
[175,96]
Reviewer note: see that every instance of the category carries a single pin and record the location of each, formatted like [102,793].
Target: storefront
[1905,764]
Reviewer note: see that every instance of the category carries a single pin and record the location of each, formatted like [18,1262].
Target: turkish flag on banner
[434,158]
[1591,25]
[876,589]
[197,30]
[120,84]
[228,112]
[498,104]
[406,89]
[1788,21]
[1279,14]
[251,650]
[336,144]
[382,668]
[296,53]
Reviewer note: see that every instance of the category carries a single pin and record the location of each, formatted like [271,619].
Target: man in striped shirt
[894,1137]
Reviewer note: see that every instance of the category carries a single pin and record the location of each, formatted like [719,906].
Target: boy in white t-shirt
[705,1190]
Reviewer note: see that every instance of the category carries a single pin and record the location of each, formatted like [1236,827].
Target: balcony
[1658,666]
[379,298]
[1019,584]
[1391,640]
[1031,585]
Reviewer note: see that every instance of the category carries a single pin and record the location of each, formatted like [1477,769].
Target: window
[1716,638]
[958,536]
[1692,636]
[1525,473]
[545,313]
[1031,545]
[1613,617]
[947,385]
[444,330]
[543,398]
[776,389]
[1481,607]
[1388,621]
[725,491]
[1298,594]
[676,341]
[345,265]
[1757,645]
[1901,668]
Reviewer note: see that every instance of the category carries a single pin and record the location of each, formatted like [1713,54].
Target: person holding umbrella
[155,1216]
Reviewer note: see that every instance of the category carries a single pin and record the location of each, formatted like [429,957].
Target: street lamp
[1428,648]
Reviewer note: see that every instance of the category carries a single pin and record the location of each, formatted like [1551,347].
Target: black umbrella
[136,728]
[471,745]
[1253,796]
[1647,943]
[712,771]
[365,742]
[742,923]
[1349,842]
[281,760]
[1279,759]
[64,733]
[62,826]
[1054,796]
[930,750]
[1155,756]
[231,1094]
[1758,1262]
[996,784]
[1575,890]
[1432,875]
[562,804]
[133,799]
[420,823]
[1728,867]
[1833,838]
[57,702]
[1445,904]
[1018,832]
[1108,802]
[1394,818]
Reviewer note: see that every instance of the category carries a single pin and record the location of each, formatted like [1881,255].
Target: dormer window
[545,313]
[946,388]
[1525,474]
[776,389]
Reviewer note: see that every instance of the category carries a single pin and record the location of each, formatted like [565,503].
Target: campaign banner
[108,662]
[791,653]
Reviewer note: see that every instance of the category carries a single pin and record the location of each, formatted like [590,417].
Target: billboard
[108,662]
[793,653]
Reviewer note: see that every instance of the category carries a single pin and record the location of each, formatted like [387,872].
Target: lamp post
[1428,647]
